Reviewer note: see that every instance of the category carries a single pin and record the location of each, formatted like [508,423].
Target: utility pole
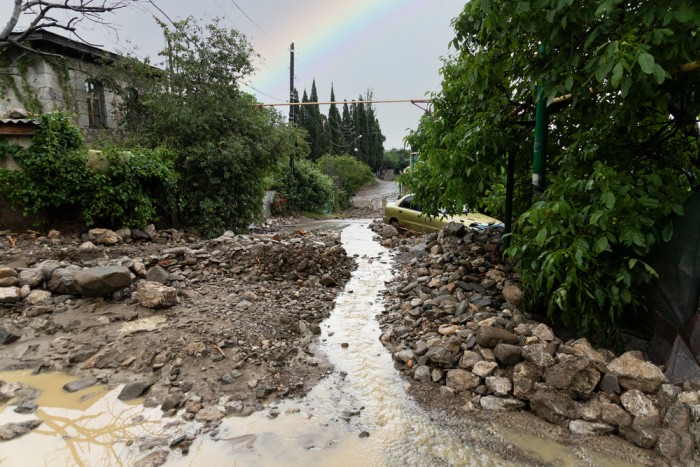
[292,109]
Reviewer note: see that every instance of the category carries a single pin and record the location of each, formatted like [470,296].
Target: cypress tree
[338,144]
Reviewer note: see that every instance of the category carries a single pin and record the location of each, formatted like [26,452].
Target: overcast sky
[392,47]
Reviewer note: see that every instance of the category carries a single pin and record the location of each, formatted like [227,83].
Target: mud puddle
[359,415]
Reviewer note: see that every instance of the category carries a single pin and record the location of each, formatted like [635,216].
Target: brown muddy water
[360,415]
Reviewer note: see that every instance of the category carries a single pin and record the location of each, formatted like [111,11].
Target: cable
[251,19]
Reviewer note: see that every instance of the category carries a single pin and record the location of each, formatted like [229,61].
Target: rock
[7,272]
[328,281]
[210,413]
[389,231]
[9,282]
[508,354]
[403,356]
[538,354]
[582,348]
[610,384]
[100,281]
[469,359]
[553,407]
[489,337]
[155,295]
[74,386]
[512,293]
[462,380]
[54,234]
[639,435]
[153,459]
[158,274]
[37,297]
[26,406]
[422,373]
[543,333]
[499,385]
[575,375]
[639,405]
[104,237]
[443,355]
[31,277]
[677,418]
[61,281]
[10,294]
[580,427]
[10,431]
[633,373]
[134,390]
[525,375]
[614,415]
[9,334]
[500,403]
[453,229]
[48,267]
[449,329]
[484,368]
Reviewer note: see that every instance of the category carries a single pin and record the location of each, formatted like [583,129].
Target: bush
[128,192]
[136,187]
[307,190]
[348,174]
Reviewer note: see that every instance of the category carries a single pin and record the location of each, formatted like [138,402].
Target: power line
[412,101]
[251,19]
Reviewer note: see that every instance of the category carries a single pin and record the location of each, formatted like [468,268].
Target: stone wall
[44,80]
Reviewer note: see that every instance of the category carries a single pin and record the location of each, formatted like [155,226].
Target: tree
[65,15]
[225,142]
[338,144]
[621,83]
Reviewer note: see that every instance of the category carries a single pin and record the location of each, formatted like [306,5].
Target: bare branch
[42,19]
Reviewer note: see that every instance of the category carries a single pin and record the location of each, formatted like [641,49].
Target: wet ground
[360,414]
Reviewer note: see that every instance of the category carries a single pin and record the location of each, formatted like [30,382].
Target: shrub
[306,190]
[128,191]
[348,174]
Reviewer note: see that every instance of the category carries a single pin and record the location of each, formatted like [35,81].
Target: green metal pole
[540,154]
[510,183]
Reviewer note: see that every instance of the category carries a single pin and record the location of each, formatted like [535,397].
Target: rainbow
[329,32]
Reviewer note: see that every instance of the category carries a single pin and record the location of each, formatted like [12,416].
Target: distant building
[61,80]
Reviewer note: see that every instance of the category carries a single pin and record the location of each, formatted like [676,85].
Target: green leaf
[626,85]
[646,62]
[608,198]
[617,74]
[568,84]
[659,73]
[667,233]
[541,235]
[601,245]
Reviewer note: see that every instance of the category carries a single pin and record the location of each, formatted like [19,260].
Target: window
[97,117]
[409,204]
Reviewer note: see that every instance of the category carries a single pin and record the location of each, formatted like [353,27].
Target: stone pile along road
[453,323]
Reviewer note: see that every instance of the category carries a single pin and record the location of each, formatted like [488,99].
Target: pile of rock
[452,318]
[241,311]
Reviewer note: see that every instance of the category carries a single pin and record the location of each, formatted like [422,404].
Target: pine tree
[338,144]
[346,128]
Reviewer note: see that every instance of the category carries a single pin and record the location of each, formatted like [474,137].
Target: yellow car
[406,213]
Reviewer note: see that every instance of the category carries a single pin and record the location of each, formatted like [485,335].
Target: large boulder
[633,373]
[61,281]
[102,280]
[32,277]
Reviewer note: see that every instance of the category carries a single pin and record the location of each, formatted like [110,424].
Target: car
[408,214]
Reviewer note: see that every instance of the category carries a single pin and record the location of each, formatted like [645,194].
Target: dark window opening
[97,116]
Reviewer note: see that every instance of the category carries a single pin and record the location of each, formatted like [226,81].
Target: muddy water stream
[359,415]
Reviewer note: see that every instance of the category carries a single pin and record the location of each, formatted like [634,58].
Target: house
[61,80]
